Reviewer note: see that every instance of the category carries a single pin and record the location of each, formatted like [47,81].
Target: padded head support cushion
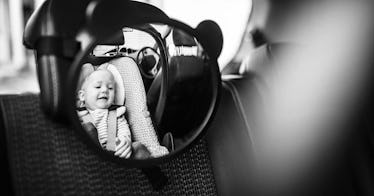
[55,18]
[55,49]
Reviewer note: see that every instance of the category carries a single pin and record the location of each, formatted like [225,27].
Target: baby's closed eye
[110,86]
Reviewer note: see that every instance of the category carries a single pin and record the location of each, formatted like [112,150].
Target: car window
[17,64]
[231,17]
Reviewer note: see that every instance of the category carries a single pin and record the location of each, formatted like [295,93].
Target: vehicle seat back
[230,137]
[188,90]
[47,158]
[233,134]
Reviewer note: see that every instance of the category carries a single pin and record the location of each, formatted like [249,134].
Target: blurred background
[17,64]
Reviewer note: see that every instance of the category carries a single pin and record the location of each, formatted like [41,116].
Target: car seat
[130,92]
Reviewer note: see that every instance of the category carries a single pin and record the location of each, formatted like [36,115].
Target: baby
[97,95]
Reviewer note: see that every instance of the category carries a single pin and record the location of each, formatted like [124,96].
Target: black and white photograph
[187,97]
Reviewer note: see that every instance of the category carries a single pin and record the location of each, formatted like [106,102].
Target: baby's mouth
[103,98]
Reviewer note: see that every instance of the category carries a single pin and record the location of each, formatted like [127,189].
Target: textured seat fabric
[231,135]
[47,158]
[234,139]
[229,140]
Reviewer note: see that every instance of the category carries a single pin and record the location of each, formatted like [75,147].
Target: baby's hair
[84,83]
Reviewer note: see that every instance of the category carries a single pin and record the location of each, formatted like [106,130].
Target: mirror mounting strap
[156,177]
[53,45]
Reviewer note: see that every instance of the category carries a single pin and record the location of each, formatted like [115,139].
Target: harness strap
[87,119]
[58,46]
[112,131]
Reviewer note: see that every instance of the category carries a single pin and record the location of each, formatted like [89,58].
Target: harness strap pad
[112,130]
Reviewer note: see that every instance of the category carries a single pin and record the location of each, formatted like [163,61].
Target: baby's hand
[123,148]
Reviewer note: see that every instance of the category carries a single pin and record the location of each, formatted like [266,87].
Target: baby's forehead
[98,76]
[101,75]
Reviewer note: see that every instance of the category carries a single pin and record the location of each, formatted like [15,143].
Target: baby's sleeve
[123,126]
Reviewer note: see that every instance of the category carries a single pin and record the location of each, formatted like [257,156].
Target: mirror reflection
[119,89]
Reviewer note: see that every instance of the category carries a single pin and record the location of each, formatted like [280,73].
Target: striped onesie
[99,119]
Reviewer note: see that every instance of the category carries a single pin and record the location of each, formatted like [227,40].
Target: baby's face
[99,90]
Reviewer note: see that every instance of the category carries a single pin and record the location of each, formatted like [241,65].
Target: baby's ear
[81,95]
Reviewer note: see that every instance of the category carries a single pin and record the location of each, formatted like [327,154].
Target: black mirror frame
[105,13]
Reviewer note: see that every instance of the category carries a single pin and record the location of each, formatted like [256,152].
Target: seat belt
[112,128]
[156,177]
[112,131]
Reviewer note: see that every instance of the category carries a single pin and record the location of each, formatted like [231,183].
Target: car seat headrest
[148,62]
[263,57]
[255,61]
[258,37]
[180,38]
[116,40]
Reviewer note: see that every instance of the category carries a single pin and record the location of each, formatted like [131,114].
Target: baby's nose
[104,89]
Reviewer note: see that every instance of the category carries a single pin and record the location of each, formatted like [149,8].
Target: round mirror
[146,92]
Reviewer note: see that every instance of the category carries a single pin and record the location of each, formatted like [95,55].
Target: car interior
[290,114]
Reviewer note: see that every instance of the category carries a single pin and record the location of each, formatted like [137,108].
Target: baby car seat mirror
[140,87]
[113,108]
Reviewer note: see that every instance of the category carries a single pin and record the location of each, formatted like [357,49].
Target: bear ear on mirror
[211,35]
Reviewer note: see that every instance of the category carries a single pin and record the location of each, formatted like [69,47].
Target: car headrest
[32,31]
[256,60]
[42,23]
[51,34]
[148,62]
[258,37]
[185,68]
[117,39]
[181,38]
[264,56]
[188,91]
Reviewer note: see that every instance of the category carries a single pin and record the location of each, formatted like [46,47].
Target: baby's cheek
[111,101]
